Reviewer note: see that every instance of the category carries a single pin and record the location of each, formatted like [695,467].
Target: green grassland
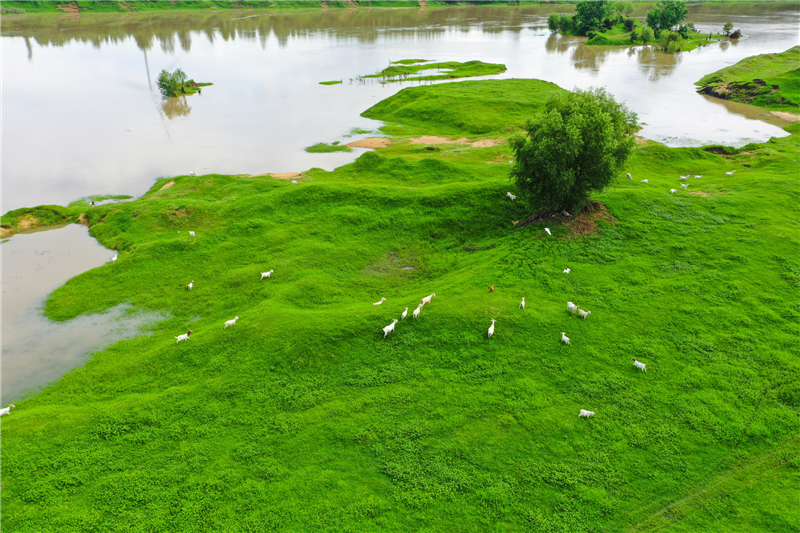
[771,81]
[406,69]
[323,148]
[302,417]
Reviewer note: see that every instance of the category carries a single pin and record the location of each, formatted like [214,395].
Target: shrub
[566,23]
[630,24]
[553,22]
[171,84]
[647,35]
[11,10]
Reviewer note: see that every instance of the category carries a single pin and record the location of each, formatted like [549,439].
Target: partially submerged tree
[589,14]
[171,84]
[574,148]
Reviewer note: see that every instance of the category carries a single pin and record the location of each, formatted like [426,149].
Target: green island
[405,70]
[303,417]
[771,81]
[333,82]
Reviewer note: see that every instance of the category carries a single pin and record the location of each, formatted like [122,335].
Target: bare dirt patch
[790,117]
[580,225]
[372,142]
[82,219]
[5,232]
[704,193]
[433,139]
[285,175]
[68,8]
[167,185]
[486,143]
[27,222]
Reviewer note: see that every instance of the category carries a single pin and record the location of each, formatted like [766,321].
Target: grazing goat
[231,322]
[629,176]
[6,410]
[698,177]
[267,274]
[583,313]
[640,365]
[644,181]
[428,299]
[491,329]
[730,173]
[564,338]
[390,328]
[191,233]
[404,315]
[191,284]
[585,413]
[379,303]
[684,185]
[522,304]
[567,270]
[548,231]
[684,178]
[673,191]
[416,311]
[295,182]
[511,196]
[184,337]
[572,307]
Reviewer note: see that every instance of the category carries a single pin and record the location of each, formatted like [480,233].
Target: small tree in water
[171,84]
[574,148]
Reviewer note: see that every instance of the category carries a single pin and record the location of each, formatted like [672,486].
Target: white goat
[673,191]
[698,177]
[184,337]
[730,173]
[522,304]
[491,329]
[416,311]
[404,315]
[684,185]
[267,274]
[390,328]
[295,182]
[191,284]
[230,322]
[564,338]
[191,233]
[428,299]
[640,365]
[684,178]
[114,258]
[567,270]
[379,303]
[6,410]
[511,196]
[583,313]
[548,231]
[572,307]
[586,413]
[629,176]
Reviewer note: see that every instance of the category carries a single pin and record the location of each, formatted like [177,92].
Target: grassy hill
[771,81]
[302,417]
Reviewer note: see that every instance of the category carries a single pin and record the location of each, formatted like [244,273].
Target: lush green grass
[322,148]
[406,69]
[472,107]
[768,80]
[334,82]
[303,418]
[619,36]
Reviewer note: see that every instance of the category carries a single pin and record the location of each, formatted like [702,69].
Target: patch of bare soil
[5,232]
[83,220]
[580,225]
[433,139]
[27,222]
[372,142]
[486,143]
[790,117]
[167,185]
[68,8]
[285,175]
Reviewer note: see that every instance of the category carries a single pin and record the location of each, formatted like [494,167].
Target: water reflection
[37,351]
[175,107]
[655,64]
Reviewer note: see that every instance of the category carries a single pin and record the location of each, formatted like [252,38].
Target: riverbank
[303,417]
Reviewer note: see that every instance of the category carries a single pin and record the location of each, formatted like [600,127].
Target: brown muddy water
[82,115]
[36,350]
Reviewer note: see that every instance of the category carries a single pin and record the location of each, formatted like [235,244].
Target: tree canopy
[576,147]
[666,14]
[171,84]
[589,14]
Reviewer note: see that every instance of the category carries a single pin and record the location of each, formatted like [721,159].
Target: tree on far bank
[589,15]
[576,147]
[647,34]
[666,14]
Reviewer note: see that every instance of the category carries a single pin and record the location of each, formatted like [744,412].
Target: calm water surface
[82,114]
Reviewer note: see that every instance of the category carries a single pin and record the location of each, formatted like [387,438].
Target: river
[82,115]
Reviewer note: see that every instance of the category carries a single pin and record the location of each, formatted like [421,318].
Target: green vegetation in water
[302,417]
[452,69]
[771,81]
[173,84]
[334,82]
[322,148]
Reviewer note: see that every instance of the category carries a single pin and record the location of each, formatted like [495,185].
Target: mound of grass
[302,417]
[444,71]
[771,81]
[473,107]
[322,148]
[33,217]
[334,82]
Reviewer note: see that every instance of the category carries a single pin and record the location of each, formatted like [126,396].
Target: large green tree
[667,14]
[589,14]
[576,147]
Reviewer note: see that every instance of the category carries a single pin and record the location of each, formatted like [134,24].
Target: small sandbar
[286,175]
[789,117]
[372,142]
